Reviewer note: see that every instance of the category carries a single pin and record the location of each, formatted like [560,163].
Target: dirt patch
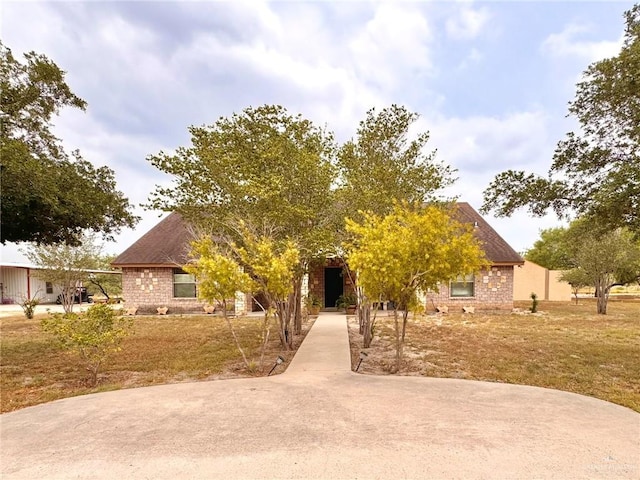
[565,347]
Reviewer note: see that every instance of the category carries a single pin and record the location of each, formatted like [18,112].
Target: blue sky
[491,80]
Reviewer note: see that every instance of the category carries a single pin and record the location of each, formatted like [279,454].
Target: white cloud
[148,71]
[566,43]
[474,57]
[467,23]
[482,144]
[395,40]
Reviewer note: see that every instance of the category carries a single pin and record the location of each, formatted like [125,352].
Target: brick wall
[493,289]
[316,279]
[150,288]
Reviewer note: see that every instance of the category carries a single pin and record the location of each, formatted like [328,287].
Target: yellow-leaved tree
[273,266]
[411,249]
[219,277]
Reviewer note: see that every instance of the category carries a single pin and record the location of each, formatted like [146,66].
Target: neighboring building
[152,276]
[545,283]
[20,281]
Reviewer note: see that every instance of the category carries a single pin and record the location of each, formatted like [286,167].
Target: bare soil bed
[565,346]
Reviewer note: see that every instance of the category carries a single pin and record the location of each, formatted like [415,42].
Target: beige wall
[493,290]
[531,277]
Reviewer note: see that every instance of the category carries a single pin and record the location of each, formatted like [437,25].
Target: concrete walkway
[320,420]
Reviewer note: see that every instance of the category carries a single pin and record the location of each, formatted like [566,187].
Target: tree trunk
[398,339]
[104,292]
[405,314]
[266,331]
[68,299]
[603,297]
[297,291]
[233,333]
[367,331]
[282,319]
[360,309]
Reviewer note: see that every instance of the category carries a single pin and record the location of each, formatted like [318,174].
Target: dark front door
[333,287]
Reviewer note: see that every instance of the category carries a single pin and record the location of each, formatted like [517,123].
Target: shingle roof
[165,244]
[497,250]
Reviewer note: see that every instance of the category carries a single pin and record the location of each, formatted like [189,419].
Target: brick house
[490,289]
[152,276]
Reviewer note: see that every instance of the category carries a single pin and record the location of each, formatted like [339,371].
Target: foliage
[346,300]
[550,251]
[272,265]
[219,277]
[29,306]
[606,259]
[264,166]
[94,335]
[408,250]
[48,196]
[383,165]
[109,284]
[313,301]
[534,302]
[65,265]
[577,278]
[596,171]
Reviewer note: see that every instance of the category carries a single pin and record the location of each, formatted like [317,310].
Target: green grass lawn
[569,347]
[162,349]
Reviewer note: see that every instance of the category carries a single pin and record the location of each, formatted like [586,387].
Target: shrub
[534,302]
[94,335]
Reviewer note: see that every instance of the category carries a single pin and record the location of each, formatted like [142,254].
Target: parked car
[81,296]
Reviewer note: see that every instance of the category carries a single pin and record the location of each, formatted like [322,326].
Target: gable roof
[497,250]
[164,245]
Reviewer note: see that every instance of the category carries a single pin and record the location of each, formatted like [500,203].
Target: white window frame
[467,280]
[181,274]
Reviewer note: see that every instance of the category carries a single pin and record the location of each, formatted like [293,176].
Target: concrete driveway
[320,420]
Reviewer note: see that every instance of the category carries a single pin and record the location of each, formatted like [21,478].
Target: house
[490,289]
[152,276]
[545,283]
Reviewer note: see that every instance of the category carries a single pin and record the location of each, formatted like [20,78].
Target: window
[184,284]
[49,287]
[462,286]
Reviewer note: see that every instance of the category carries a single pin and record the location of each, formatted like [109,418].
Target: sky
[490,80]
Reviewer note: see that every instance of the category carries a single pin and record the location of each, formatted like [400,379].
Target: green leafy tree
[408,250]
[65,265]
[48,196]
[595,171]
[108,284]
[550,251]
[577,278]
[94,334]
[605,260]
[219,277]
[385,165]
[264,166]
[382,166]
